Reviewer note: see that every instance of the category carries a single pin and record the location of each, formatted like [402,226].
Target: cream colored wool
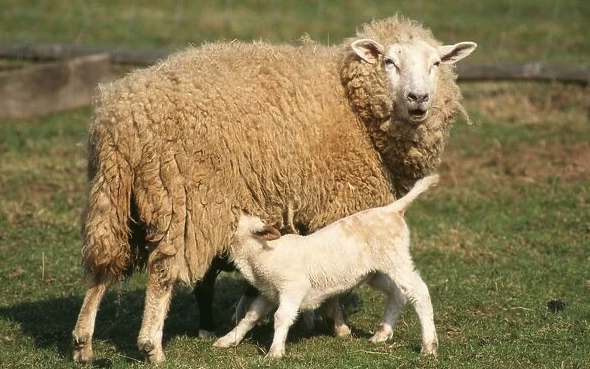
[177,150]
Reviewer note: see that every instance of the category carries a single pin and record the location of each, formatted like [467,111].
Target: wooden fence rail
[535,71]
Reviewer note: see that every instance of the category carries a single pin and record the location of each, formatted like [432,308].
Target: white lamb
[300,272]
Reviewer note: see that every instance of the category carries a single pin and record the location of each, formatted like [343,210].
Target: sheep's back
[238,126]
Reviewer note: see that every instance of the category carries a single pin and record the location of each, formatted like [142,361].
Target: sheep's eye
[437,63]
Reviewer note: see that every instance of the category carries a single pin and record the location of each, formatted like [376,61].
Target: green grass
[507,230]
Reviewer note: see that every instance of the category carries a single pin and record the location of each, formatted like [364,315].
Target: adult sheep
[302,135]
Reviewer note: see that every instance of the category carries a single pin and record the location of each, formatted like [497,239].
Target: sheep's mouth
[418,115]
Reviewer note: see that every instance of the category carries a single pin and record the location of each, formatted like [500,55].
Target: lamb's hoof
[275,353]
[153,354]
[205,334]
[429,349]
[382,335]
[225,342]
[342,331]
[82,348]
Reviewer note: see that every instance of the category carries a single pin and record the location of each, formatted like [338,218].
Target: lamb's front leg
[284,318]
[258,310]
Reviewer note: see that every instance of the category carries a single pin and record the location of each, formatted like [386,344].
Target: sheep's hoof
[153,354]
[206,334]
[82,348]
[342,331]
[383,334]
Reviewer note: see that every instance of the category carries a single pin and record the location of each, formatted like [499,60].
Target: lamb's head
[251,228]
[412,70]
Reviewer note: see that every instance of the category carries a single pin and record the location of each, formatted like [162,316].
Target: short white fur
[300,272]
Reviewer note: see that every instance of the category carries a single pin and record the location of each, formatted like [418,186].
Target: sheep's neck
[409,151]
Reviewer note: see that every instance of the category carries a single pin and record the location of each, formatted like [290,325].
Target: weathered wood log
[539,72]
[138,57]
[50,87]
[525,72]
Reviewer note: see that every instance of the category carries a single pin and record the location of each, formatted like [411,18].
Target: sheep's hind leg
[333,310]
[157,301]
[84,330]
[393,307]
[258,310]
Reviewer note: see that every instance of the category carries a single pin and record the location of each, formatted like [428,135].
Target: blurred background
[505,30]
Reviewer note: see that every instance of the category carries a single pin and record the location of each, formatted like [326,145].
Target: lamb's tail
[422,185]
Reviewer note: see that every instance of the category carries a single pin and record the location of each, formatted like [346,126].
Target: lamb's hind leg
[393,307]
[84,330]
[416,291]
[157,301]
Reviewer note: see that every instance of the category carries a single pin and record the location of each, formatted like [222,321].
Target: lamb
[299,272]
[300,135]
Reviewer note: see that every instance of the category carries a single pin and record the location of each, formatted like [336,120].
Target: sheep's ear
[368,50]
[268,233]
[450,54]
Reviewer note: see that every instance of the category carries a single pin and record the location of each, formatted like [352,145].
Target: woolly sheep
[302,135]
[299,272]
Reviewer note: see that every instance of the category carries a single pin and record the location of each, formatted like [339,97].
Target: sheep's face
[412,70]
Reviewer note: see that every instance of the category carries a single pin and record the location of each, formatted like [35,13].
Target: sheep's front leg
[157,301]
[84,330]
[204,291]
[284,318]
[258,310]
[393,307]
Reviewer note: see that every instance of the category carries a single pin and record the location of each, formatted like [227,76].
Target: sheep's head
[412,70]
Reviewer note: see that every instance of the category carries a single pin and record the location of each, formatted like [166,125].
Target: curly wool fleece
[301,135]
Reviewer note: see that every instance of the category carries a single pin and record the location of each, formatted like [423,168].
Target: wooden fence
[64,76]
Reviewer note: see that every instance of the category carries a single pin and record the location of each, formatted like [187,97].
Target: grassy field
[506,232]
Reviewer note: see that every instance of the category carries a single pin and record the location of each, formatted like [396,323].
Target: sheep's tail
[106,252]
[422,185]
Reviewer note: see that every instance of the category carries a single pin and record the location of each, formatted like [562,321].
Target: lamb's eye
[389,63]
[437,63]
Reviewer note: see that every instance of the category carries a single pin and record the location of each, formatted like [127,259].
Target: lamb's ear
[368,50]
[450,54]
[268,233]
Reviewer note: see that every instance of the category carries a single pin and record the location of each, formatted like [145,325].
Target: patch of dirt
[530,163]
[528,103]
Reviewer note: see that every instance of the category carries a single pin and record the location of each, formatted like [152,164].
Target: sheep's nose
[417,97]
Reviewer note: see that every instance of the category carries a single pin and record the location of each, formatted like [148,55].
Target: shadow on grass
[49,323]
